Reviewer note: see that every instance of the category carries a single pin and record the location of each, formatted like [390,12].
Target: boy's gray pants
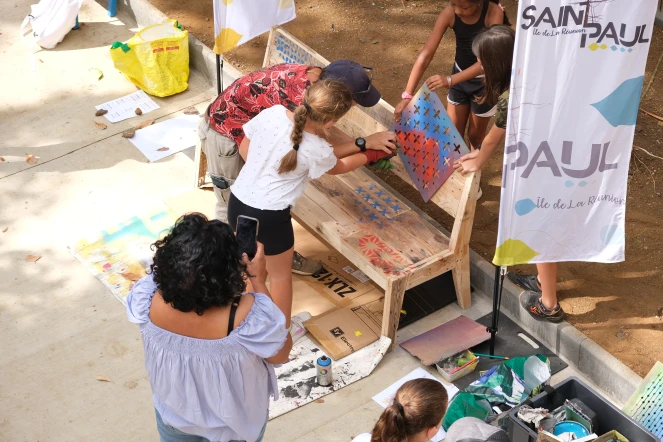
[223,164]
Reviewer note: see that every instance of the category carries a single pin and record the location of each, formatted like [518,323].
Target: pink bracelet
[406,96]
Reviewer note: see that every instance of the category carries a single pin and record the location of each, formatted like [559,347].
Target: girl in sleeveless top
[467,18]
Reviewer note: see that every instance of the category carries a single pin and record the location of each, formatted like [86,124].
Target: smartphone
[247,234]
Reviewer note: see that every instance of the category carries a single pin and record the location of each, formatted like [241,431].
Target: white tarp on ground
[575,89]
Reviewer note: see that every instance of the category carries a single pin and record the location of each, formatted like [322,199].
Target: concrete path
[60,327]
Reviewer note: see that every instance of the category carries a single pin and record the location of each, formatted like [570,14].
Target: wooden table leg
[200,161]
[393,302]
[461,276]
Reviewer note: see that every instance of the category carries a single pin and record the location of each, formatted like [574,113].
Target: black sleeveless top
[465,35]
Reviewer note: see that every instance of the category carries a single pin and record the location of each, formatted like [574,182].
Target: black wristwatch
[361,144]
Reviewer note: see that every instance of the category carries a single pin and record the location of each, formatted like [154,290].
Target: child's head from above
[493,48]
[466,8]
[325,102]
[415,415]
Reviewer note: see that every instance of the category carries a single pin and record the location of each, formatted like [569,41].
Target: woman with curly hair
[209,347]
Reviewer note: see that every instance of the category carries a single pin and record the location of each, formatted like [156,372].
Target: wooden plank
[462,228]
[461,276]
[432,269]
[341,217]
[309,214]
[393,302]
[200,159]
[270,47]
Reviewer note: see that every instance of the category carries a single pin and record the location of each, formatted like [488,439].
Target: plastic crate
[462,371]
[609,417]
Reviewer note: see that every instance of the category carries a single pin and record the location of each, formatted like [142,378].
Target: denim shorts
[172,434]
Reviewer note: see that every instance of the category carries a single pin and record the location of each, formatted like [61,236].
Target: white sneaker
[297,329]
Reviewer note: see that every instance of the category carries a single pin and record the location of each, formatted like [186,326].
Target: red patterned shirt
[283,84]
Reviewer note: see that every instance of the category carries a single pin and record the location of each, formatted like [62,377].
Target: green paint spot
[512,252]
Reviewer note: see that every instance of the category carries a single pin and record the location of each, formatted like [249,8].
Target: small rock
[129,133]
[138,111]
[101,112]
[620,335]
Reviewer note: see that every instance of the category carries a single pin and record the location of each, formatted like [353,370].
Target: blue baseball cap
[356,77]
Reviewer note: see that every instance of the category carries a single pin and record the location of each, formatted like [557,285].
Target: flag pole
[498,285]
[219,73]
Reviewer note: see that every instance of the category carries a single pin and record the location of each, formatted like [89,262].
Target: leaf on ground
[5,230]
[138,111]
[1,159]
[99,72]
[129,133]
[101,112]
[102,378]
[191,111]
[319,401]
[145,124]
[101,126]
[376,41]
[32,258]
[41,61]
[162,149]
[31,159]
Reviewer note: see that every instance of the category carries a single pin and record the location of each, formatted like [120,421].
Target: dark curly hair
[198,264]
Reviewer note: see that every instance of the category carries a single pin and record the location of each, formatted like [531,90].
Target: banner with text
[578,73]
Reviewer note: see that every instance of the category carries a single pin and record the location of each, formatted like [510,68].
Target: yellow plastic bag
[156,59]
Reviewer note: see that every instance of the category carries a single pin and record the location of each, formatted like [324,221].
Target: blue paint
[396,207]
[613,47]
[523,207]
[568,183]
[620,108]
[582,183]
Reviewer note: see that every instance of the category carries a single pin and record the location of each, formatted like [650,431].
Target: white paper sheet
[125,107]
[176,134]
[386,396]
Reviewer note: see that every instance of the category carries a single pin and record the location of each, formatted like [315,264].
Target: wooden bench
[370,224]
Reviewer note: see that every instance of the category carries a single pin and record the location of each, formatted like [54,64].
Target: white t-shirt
[363,437]
[259,184]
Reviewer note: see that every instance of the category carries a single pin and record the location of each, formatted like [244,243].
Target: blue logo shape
[568,183]
[613,47]
[620,108]
[523,207]
[582,183]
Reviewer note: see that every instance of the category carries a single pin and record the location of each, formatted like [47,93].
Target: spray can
[324,371]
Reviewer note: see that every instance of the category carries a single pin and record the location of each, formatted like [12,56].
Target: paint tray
[459,372]
[646,405]
[446,340]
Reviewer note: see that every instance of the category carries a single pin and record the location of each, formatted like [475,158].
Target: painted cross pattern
[375,205]
[430,142]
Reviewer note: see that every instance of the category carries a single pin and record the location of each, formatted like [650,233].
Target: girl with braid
[283,150]
[414,416]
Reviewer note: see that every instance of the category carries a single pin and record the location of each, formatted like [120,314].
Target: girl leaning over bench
[283,150]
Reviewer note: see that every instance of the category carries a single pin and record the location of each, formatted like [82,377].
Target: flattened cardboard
[446,340]
[345,330]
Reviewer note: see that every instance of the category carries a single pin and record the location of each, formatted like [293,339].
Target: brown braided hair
[324,101]
[419,404]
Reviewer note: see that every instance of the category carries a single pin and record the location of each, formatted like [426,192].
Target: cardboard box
[343,331]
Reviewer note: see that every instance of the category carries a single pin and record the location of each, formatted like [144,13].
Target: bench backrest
[453,197]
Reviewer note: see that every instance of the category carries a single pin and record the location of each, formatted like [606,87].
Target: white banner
[575,89]
[238,21]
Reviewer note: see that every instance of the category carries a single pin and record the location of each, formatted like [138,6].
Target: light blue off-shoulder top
[219,388]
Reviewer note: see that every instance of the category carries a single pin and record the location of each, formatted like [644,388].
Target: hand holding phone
[247,234]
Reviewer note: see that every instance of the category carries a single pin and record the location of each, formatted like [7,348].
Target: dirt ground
[619,306]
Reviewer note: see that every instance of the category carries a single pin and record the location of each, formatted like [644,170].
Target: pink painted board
[446,340]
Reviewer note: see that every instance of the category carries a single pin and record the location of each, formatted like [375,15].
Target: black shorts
[465,93]
[275,230]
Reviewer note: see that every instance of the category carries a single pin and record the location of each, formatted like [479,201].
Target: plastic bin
[609,417]
[462,371]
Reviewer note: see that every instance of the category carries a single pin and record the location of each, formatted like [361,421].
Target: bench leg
[393,302]
[200,165]
[461,275]
[112,8]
